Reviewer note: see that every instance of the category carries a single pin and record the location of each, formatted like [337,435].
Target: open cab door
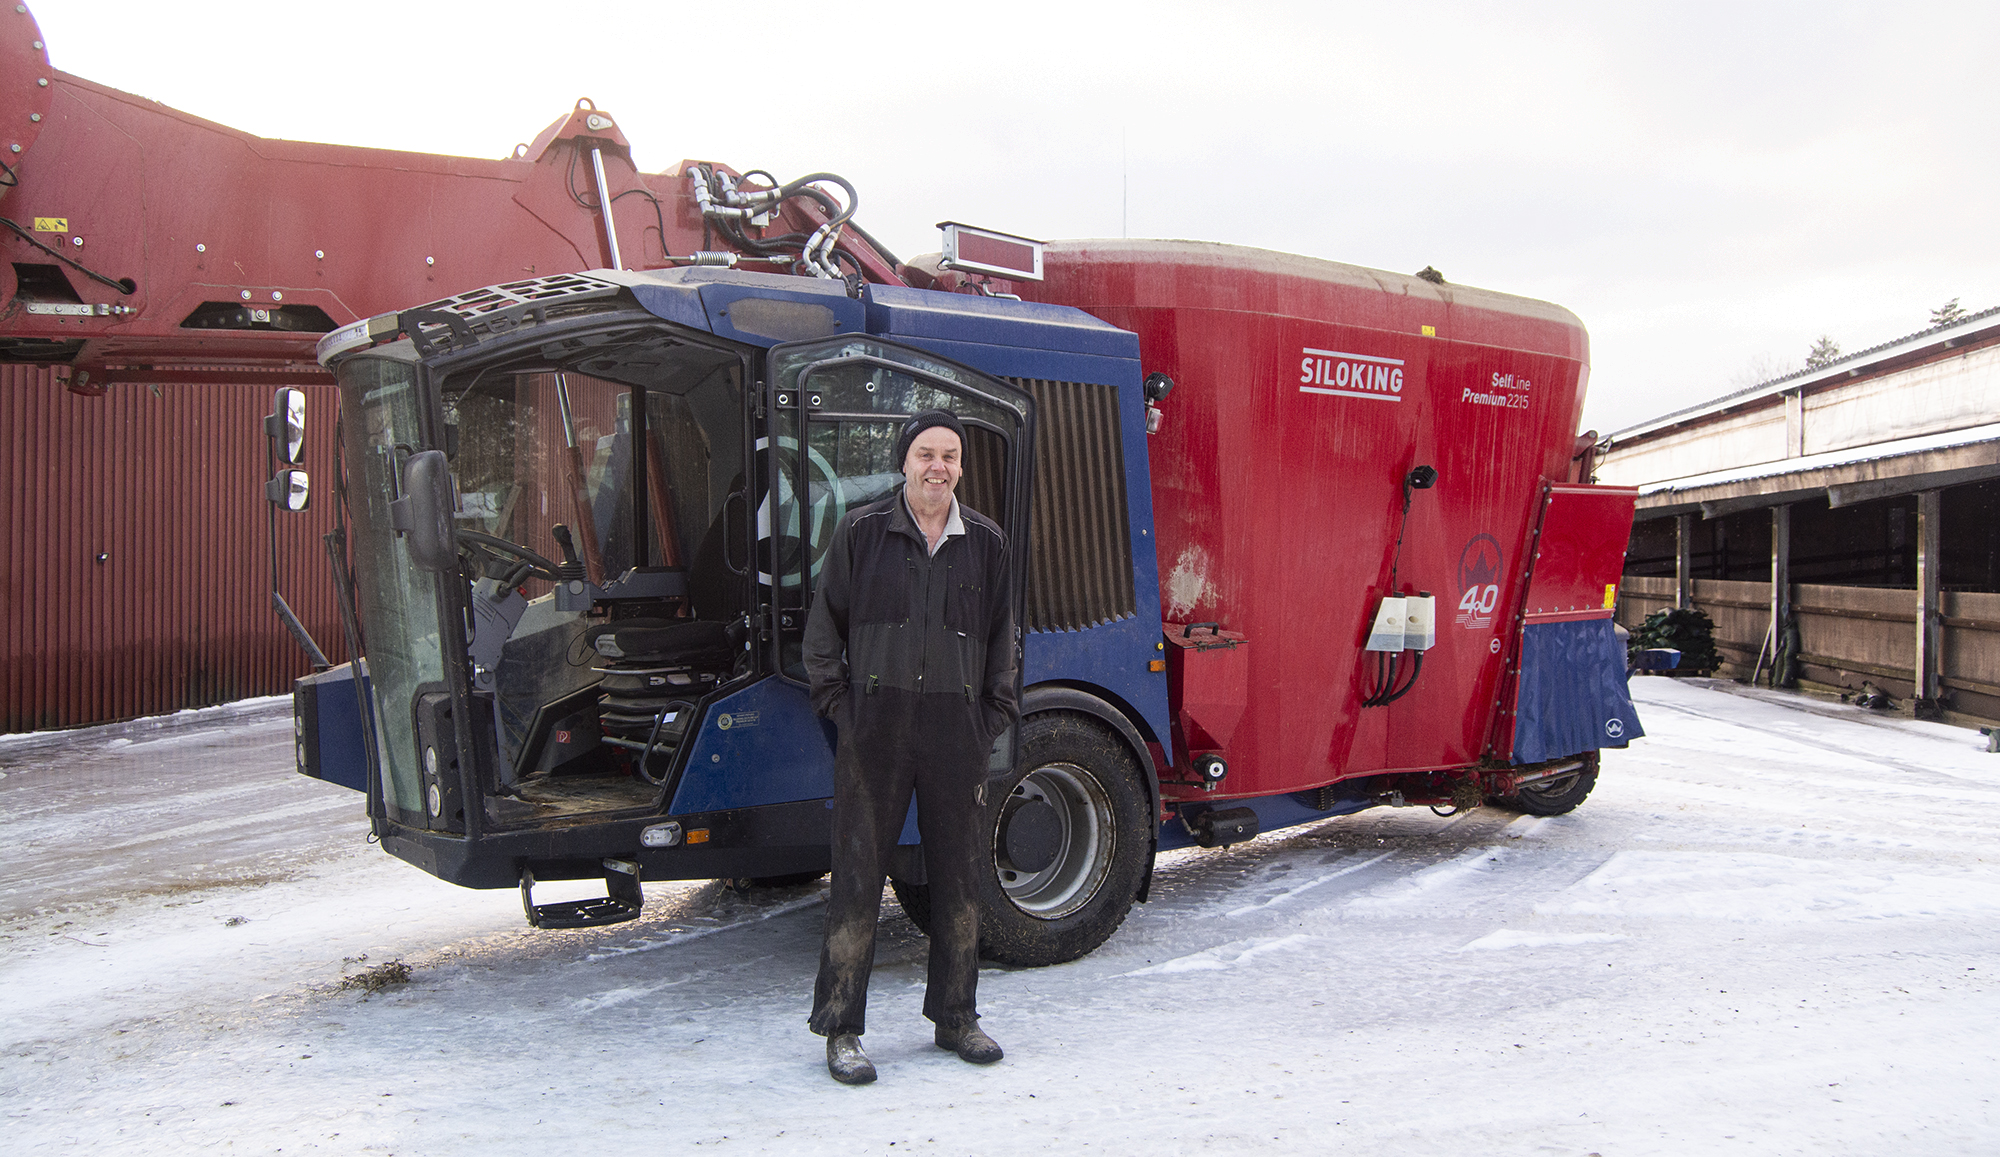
[834,409]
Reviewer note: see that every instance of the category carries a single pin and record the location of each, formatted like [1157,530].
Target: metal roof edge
[1800,379]
[1778,467]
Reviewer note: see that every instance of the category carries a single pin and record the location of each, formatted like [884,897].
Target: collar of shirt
[953,524]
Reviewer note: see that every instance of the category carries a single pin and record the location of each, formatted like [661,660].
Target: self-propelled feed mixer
[1301,539]
[1292,538]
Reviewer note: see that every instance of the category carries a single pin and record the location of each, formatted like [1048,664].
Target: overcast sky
[1709,186]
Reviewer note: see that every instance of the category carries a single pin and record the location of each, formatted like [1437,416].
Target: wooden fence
[1847,635]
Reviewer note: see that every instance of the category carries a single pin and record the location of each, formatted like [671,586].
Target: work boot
[845,1060]
[969,1043]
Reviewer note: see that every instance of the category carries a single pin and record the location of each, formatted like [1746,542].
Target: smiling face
[932,468]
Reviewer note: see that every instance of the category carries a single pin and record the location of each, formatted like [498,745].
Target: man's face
[932,467]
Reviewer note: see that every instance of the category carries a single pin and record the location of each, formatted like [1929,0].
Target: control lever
[571,568]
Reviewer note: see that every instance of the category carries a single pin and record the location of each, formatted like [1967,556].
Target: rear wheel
[1557,794]
[1069,845]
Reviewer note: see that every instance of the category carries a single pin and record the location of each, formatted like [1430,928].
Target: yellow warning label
[1610,595]
[1430,331]
[51,224]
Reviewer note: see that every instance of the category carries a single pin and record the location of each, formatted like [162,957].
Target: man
[910,648]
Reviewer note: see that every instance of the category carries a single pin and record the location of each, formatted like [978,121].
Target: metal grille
[1080,535]
[532,291]
[499,308]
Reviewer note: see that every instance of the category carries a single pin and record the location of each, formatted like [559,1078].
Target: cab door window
[837,408]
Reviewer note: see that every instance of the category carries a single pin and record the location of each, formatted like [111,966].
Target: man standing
[910,648]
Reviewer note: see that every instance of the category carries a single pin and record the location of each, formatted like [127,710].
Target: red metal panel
[1576,562]
[25,83]
[134,572]
[1580,552]
[1277,481]
[191,212]
[1208,684]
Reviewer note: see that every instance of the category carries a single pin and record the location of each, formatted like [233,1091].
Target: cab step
[622,900]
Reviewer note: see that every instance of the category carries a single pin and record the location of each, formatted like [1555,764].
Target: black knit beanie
[922,421]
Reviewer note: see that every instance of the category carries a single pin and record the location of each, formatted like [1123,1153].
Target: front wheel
[1069,843]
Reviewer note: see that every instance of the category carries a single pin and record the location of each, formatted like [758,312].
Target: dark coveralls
[912,656]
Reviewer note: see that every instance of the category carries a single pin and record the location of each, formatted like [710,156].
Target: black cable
[838,216]
[659,217]
[569,176]
[839,253]
[1385,691]
[126,286]
[831,206]
[1387,664]
[733,228]
[1402,525]
[13,178]
[763,246]
[800,186]
[880,249]
[1416,669]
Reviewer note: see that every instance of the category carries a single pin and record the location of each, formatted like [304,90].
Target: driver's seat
[652,667]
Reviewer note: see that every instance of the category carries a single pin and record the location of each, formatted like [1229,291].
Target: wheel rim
[1084,841]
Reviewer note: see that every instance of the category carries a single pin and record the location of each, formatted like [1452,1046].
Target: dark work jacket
[888,616]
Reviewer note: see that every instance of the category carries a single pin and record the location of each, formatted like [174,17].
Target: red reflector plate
[984,251]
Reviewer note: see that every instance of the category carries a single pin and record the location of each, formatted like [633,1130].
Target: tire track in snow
[1195,882]
[1389,860]
[1308,885]
[1223,955]
[1420,885]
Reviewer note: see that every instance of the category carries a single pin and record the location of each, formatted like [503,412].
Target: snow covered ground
[1771,930]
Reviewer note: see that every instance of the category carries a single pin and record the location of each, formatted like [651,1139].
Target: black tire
[1556,795]
[1080,779]
[916,902]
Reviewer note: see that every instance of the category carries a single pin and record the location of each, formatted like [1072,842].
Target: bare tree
[1947,313]
[1824,352]
[1760,369]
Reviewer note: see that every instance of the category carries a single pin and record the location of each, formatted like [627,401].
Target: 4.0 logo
[1478,582]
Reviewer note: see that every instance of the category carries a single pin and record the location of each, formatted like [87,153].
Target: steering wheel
[534,565]
[780,555]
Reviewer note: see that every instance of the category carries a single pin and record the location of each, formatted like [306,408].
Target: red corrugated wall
[166,484]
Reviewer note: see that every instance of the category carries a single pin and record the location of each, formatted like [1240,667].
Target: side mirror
[290,489]
[286,426]
[424,514]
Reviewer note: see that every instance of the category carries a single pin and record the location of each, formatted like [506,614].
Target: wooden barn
[1841,525]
